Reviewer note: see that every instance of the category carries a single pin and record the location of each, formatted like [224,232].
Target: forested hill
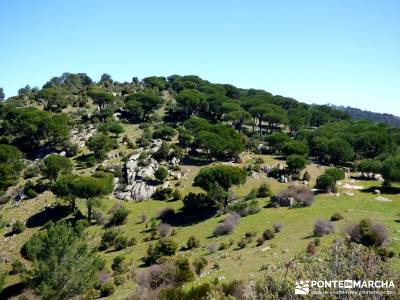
[360,114]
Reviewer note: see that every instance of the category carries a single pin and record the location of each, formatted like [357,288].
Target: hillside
[179,188]
[360,114]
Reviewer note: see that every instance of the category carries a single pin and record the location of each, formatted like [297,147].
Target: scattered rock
[349,194]
[376,192]
[382,199]
[352,187]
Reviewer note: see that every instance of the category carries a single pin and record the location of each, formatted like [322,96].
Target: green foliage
[54,164]
[10,165]
[100,144]
[164,132]
[193,242]
[163,247]
[119,217]
[336,173]
[295,147]
[369,165]
[161,174]
[276,140]
[268,234]
[112,126]
[58,253]
[101,98]
[225,176]
[296,163]
[391,169]
[18,227]
[140,105]
[119,265]
[52,99]
[336,217]
[368,233]
[326,183]
[199,264]
[184,272]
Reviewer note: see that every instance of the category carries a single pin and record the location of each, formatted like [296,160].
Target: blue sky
[341,51]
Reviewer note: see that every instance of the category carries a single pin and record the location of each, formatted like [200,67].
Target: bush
[164,230]
[132,242]
[108,238]
[183,270]
[161,174]
[119,265]
[193,242]
[176,195]
[317,241]
[17,267]
[302,196]
[264,191]
[244,242]
[121,242]
[268,234]
[336,217]
[227,226]
[368,233]
[107,289]
[277,227]
[163,193]
[199,264]
[306,176]
[260,240]
[336,173]
[163,247]
[296,163]
[326,183]
[119,217]
[32,171]
[245,208]
[18,227]
[322,227]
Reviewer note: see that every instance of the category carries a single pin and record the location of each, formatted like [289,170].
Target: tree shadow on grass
[54,214]
[390,190]
[13,290]
[184,218]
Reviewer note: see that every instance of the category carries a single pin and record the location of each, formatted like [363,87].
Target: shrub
[277,227]
[107,289]
[32,171]
[119,217]
[121,242]
[311,249]
[367,233]
[268,234]
[176,195]
[244,242]
[306,176]
[183,270]
[119,265]
[260,240]
[212,248]
[227,226]
[245,208]
[193,242]
[302,196]
[161,174]
[163,247]
[199,264]
[18,227]
[336,217]
[326,183]
[164,230]
[108,238]
[132,242]
[317,241]
[163,193]
[336,173]
[18,267]
[143,218]
[296,163]
[322,227]
[264,191]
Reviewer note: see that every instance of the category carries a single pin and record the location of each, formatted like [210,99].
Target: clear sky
[345,52]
